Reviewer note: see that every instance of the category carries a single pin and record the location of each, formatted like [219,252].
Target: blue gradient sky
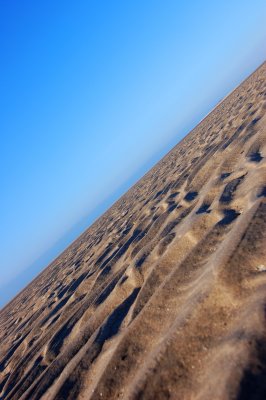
[93,93]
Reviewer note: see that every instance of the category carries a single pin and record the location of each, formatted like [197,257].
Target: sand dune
[164,296]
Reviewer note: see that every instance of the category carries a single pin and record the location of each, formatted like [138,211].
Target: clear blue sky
[93,93]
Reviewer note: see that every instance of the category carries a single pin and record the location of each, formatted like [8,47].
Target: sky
[92,95]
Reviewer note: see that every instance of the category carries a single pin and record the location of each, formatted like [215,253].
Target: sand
[164,296]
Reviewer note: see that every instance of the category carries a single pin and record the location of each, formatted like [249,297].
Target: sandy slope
[164,296]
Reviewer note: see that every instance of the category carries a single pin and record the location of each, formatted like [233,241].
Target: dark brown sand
[164,296]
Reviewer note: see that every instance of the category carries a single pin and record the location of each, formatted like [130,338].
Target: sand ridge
[164,296]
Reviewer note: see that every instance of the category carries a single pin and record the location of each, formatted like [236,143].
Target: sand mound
[164,296]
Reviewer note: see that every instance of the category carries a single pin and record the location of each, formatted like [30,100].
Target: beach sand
[164,296]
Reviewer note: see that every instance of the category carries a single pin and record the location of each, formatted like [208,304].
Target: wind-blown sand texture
[164,296]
